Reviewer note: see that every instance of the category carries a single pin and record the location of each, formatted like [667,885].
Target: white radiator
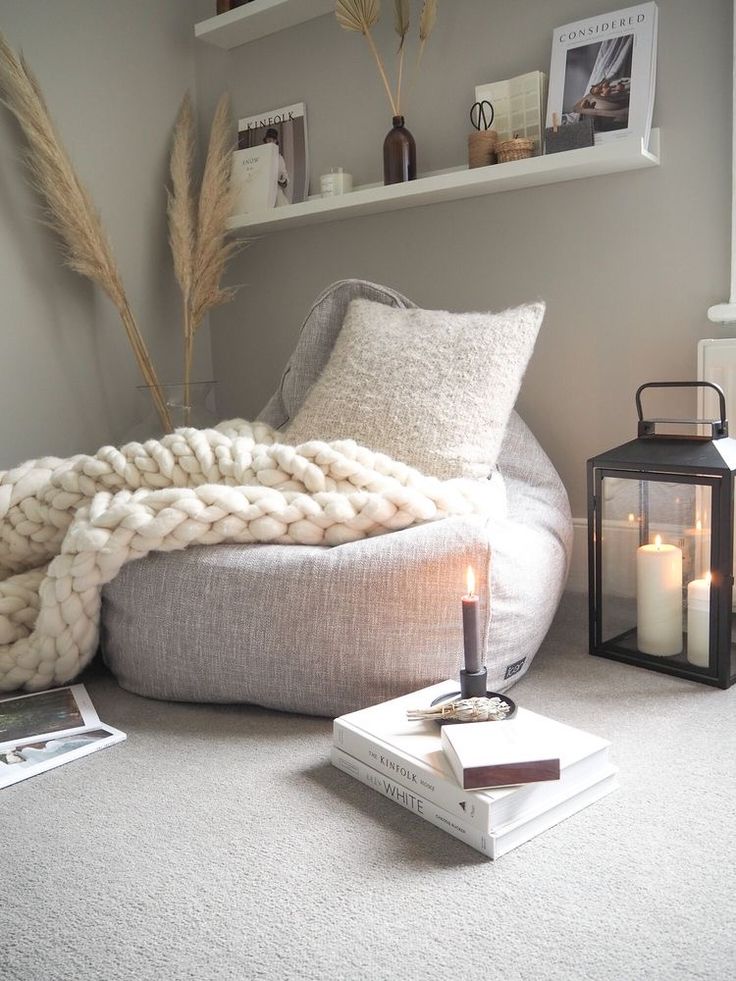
[717,363]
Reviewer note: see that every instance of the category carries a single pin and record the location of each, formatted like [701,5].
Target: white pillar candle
[698,621]
[659,599]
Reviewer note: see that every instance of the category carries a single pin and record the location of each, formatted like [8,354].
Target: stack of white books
[405,761]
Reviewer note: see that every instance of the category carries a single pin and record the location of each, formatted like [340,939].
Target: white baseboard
[577,581]
[622,538]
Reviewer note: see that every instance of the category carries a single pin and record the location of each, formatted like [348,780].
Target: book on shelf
[604,68]
[286,129]
[518,107]
[411,754]
[523,750]
[47,729]
[504,837]
[254,178]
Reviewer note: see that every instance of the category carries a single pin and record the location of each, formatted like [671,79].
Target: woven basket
[519,148]
[482,148]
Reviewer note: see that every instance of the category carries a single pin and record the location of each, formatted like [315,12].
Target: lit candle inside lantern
[471,632]
[659,599]
[697,549]
[698,621]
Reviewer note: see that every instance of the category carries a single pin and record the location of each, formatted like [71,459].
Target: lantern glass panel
[655,541]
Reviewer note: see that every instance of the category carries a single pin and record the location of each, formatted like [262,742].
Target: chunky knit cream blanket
[68,526]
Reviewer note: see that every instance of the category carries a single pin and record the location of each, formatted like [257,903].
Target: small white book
[254,177]
[525,749]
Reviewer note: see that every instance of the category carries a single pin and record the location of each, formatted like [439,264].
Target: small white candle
[659,599]
[697,549]
[698,621]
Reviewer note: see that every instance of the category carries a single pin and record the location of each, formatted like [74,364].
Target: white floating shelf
[258,19]
[610,158]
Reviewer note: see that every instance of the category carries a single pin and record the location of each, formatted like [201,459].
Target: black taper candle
[471,634]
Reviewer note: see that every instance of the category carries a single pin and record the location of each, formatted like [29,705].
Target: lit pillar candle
[659,599]
[698,621]
[471,631]
[697,549]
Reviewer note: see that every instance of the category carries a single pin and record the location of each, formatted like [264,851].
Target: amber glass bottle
[399,154]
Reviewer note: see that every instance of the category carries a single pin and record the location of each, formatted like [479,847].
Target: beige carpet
[217,843]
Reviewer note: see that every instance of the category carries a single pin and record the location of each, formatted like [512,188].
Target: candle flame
[658,541]
[470,579]
[708,578]
[699,525]
[631,517]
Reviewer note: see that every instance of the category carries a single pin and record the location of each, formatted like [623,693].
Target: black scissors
[479,115]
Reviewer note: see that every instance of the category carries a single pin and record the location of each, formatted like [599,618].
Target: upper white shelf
[258,19]
[610,158]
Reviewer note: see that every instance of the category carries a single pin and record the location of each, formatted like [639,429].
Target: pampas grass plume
[69,209]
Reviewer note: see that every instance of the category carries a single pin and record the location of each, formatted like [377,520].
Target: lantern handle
[719,427]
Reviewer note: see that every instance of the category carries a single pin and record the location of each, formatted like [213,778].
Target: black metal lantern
[660,548]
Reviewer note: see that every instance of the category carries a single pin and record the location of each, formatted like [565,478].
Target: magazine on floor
[286,128]
[47,729]
[604,68]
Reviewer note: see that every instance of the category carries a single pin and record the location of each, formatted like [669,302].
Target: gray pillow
[431,388]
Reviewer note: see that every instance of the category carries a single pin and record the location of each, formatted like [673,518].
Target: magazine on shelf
[518,106]
[411,753]
[285,128]
[254,178]
[47,729]
[494,843]
[604,68]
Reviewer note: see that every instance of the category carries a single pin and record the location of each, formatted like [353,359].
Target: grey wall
[113,73]
[628,264]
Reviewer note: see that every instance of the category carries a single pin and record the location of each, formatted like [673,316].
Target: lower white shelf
[610,158]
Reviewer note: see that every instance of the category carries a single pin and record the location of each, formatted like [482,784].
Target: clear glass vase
[198,410]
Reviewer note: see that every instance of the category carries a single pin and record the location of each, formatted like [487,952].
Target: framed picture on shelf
[603,68]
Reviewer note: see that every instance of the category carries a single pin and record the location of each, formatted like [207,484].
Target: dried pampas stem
[357,15]
[69,209]
[401,27]
[198,228]
[427,20]
[360,16]
[212,249]
[183,223]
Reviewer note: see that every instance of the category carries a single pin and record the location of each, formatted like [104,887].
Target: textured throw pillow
[431,388]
